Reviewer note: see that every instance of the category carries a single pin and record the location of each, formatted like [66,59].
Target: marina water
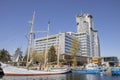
[69,76]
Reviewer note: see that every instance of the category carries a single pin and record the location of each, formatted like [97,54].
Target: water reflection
[69,76]
[92,77]
[47,77]
[1,76]
[84,77]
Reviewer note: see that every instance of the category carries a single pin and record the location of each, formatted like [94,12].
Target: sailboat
[17,71]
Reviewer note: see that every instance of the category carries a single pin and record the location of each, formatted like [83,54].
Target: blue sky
[15,15]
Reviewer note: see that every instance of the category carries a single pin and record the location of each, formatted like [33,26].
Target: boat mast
[58,52]
[30,37]
[46,50]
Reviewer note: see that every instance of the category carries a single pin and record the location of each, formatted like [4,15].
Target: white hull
[15,71]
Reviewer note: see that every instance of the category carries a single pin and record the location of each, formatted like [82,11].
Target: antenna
[48,26]
[81,12]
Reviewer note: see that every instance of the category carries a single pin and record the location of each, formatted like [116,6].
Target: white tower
[84,23]
[85,26]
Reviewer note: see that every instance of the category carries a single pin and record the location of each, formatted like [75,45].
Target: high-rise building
[86,35]
[85,26]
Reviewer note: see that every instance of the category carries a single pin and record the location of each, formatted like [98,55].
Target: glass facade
[87,36]
[62,40]
[108,59]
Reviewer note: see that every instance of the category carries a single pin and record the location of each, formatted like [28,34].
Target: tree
[37,57]
[52,57]
[4,56]
[74,50]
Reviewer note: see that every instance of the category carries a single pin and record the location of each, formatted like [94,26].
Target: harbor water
[69,76]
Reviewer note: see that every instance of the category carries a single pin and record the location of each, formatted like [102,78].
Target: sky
[16,14]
